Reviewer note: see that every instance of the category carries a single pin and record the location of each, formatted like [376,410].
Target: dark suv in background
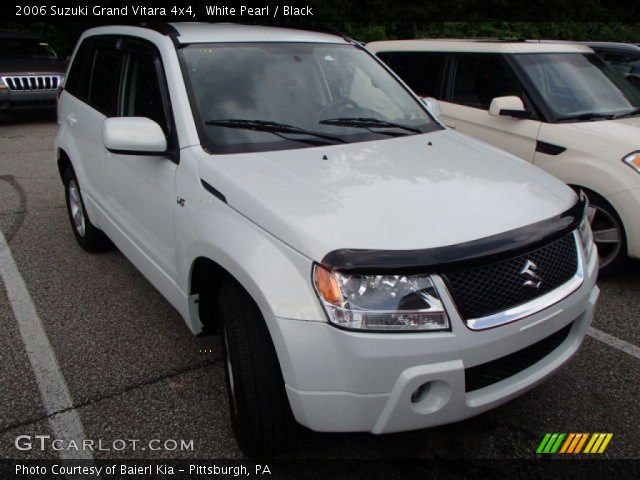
[30,72]
[623,58]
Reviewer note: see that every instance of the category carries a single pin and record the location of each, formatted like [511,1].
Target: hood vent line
[549,148]
[213,191]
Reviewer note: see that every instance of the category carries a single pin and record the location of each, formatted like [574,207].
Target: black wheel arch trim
[454,257]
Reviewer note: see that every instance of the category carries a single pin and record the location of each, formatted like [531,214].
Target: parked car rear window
[421,71]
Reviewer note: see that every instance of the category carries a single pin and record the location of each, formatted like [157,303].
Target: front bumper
[17,100]
[342,381]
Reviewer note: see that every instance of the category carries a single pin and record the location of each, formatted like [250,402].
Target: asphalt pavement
[134,371]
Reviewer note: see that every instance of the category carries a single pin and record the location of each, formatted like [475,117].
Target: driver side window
[478,79]
[142,96]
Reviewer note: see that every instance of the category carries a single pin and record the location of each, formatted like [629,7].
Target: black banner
[311,11]
[201,469]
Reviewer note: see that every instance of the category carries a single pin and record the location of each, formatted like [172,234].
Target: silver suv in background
[30,72]
[624,58]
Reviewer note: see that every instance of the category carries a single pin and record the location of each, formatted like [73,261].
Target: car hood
[28,65]
[623,129]
[413,192]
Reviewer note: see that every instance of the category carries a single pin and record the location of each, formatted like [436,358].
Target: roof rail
[164,28]
[169,30]
[497,39]
[321,29]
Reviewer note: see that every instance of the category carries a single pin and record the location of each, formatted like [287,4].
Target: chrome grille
[31,83]
[495,287]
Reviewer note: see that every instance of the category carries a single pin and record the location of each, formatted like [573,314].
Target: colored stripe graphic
[592,440]
[567,442]
[543,443]
[606,441]
[550,443]
[556,446]
[600,442]
[574,443]
[581,443]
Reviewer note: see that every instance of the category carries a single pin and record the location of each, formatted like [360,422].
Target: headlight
[380,302]
[584,229]
[633,160]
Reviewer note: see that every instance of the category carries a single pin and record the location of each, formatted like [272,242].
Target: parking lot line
[614,342]
[63,419]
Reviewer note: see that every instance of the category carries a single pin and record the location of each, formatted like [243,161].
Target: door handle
[449,123]
[71,119]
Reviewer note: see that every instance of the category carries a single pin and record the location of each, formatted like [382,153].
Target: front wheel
[260,413]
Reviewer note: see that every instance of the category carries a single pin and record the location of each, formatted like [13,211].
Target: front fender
[275,275]
[603,177]
[591,160]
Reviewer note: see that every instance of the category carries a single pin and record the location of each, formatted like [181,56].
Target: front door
[475,80]
[139,189]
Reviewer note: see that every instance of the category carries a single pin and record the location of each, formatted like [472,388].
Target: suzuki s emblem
[530,273]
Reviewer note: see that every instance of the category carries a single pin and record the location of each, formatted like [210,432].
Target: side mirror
[133,136]
[433,106]
[508,107]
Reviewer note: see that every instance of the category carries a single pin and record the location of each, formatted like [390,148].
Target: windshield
[579,86]
[273,96]
[25,48]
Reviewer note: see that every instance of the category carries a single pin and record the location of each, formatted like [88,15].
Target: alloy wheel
[607,233]
[75,206]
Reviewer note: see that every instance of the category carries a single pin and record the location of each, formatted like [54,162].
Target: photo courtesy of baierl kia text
[319,239]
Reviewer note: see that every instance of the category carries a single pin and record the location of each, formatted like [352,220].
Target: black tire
[87,235]
[260,413]
[604,220]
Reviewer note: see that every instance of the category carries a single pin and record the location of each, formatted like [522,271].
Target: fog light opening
[420,393]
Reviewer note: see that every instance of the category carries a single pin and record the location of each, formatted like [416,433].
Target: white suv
[368,269]
[557,106]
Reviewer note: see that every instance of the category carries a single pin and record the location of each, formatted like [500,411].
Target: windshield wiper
[367,122]
[589,116]
[632,113]
[271,127]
